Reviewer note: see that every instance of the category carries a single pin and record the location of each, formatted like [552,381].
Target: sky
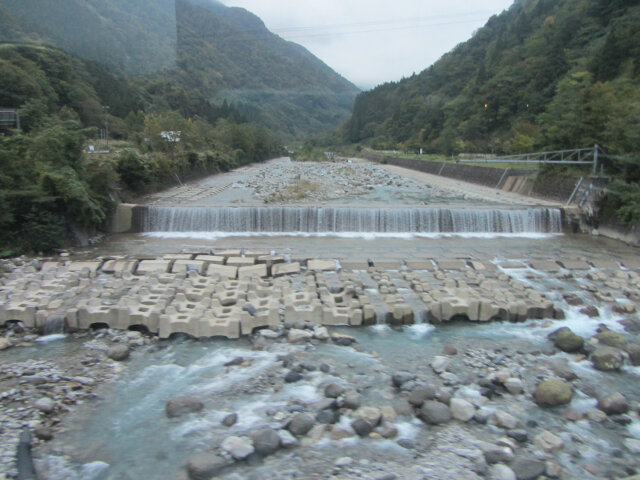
[370,42]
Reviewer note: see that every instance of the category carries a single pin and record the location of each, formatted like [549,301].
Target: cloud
[375,41]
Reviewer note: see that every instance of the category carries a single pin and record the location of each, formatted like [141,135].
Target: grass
[298,189]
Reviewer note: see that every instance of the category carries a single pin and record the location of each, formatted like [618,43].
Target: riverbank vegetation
[52,187]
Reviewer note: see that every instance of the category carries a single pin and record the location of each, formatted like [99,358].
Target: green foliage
[622,199]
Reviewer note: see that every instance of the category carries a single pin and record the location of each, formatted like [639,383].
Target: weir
[345,219]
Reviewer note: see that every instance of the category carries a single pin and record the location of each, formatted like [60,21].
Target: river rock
[342,339]
[562,369]
[434,413]
[500,472]
[351,400]
[266,441]
[634,354]
[179,406]
[614,404]
[370,415]
[462,409]
[118,352]
[333,390]
[633,445]
[420,394]
[230,420]
[505,420]
[551,393]
[612,339]
[528,468]
[5,343]
[238,447]
[328,416]
[361,427]
[339,432]
[299,336]
[43,432]
[590,311]
[287,440]
[567,341]
[548,442]
[606,359]
[497,454]
[400,378]
[45,405]
[440,364]
[514,386]
[205,465]
[292,376]
[301,424]
[595,415]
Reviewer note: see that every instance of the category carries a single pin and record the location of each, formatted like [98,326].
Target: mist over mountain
[220,52]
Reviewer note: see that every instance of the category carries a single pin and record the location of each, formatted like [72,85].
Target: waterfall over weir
[328,220]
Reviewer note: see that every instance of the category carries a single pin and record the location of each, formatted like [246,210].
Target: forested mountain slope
[201,46]
[545,74]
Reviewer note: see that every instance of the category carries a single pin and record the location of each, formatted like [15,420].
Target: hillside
[545,74]
[220,52]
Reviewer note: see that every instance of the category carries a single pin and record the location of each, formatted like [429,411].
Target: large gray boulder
[179,406]
[420,394]
[606,359]
[119,352]
[266,441]
[301,424]
[612,339]
[238,447]
[528,468]
[552,393]
[614,404]
[205,465]
[434,413]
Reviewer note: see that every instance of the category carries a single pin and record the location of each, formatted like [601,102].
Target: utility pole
[106,124]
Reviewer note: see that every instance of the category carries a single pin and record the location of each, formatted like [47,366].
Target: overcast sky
[374,41]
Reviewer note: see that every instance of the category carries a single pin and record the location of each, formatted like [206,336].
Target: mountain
[220,52]
[544,74]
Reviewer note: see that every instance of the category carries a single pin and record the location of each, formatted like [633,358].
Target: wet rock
[590,311]
[548,442]
[43,432]
[371,415]
[321,333]
[35,379]
[634,354]
[342,339]
[420,394]
[572,415]
[528,468]
[505,420]
[462,409]
[482,416]
[514,386]
[351,400]
[633,445]
[266,441]
[238,447]
[179,406]
[230,420]
[561,368]
[434,413]
[328,417]
[361,427]
[500,472]
[387,431]
[292,376]
[606,359]
[286,439]
[520,436]
[497,454]
[119,352]
[339,432]
[45,405]
[612,339]
[301,424]
[299,336]
[333,390]
[595,415]
[450,350]
[567,341]
[551,393]
[573,299]
[399,379]
[614,404]
[406,443]
[205,465]
[440,364]
[5,343]
[235,362]
[343,462]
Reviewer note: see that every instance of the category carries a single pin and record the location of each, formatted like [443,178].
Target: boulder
[400,378]
[590,311]
[301,424]
[299,336]
[614,404]
[371,415]
[205,465]
[434,413]
[500,472]
[5,343]
[338,433]
[230,420]
[420,394]
[45,405]
[238,447]
[634,354]
[333,390]
[119,352]
[562,369]
[528,468]
[606,359]
[567,341]
[548,442]
[342,339]
[287,440]
[551,393]
[292,376]
[497,454]
[505,420]
[462,409]
[514,386]
[361,427]
[266,441]
[351,400]
[612,339]
[328,416]
[182,405]
[440,364]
